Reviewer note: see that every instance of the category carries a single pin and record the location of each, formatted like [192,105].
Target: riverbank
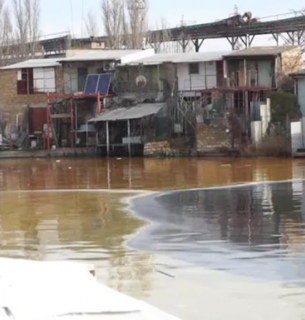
[56,153]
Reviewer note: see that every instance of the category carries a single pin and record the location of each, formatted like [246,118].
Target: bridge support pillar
[197,43]
[276,38]
[233,42]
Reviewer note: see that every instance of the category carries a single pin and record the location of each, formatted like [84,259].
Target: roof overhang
[138,112]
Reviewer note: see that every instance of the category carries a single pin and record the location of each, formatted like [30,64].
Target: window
[44,80]
[25,81]
[37,80]
[82,76]
[194,68]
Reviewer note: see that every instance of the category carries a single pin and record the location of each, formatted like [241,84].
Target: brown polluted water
[242,244]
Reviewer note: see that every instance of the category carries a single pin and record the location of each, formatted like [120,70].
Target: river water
[200,239]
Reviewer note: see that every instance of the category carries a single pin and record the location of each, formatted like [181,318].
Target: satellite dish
[141,81]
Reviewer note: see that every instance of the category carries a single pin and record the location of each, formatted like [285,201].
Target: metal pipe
[72,121]
[129,144]
[48,122]
[107,138]
[75,121]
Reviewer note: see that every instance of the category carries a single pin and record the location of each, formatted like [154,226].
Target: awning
[137,112]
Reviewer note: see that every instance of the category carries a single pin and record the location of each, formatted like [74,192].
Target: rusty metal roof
[34,63]
[137,112]
[261,51]
[190,57]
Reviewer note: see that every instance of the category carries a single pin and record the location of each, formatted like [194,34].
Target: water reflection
[254,230]
[149,174]
[75,226]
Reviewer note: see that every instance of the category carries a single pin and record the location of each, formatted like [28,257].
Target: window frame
[197,71]
[26,80]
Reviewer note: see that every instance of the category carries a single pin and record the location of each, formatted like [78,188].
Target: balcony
[198,82]
[252,79]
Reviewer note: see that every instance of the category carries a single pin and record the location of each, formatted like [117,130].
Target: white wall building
[194,71]
[77,68]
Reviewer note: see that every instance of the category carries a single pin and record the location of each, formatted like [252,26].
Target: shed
[137,112]
[126,127]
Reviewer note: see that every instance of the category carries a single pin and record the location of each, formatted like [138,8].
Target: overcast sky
[57,14]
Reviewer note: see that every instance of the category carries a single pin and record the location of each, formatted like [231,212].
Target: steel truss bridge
[235,29]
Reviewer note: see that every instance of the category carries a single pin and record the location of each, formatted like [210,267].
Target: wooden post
[72,121]
[76,122]
[98,107]
[107,138]
[87,135]
[48,122]
[129,144]
[245,74]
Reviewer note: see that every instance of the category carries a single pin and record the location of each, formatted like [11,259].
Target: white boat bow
[62,290]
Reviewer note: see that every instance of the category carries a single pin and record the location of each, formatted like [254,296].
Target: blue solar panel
[103,83]
[97,83]
[91,84]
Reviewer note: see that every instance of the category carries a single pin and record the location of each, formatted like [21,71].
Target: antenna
[82,18]
[72,27]
[236,10]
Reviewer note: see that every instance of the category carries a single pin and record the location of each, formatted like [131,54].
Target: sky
[67,15]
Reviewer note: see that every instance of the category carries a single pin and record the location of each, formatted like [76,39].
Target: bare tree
[113,20]
[91,25]
[26,15]
[5,32]
[32,8]
[161,39]
[135,23]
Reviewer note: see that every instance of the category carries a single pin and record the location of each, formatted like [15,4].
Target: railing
[199,82]
[125,87]
[251,80]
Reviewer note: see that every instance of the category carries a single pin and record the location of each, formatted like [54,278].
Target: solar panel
[91,84]
[104,83]
[97,83]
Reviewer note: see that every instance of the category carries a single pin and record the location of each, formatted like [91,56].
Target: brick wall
[160,149]
[212,138]
[11,103]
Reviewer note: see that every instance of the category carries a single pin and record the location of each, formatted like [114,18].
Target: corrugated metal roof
[101,55]
[261,51]
[298,73]
[137,112]
[34,63]
[180,58]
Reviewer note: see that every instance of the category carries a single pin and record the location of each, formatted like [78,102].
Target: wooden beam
[107,138]
[129,142]
[61,116]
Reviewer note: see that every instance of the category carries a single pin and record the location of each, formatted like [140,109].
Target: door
[81,78]
[265,74]
[301,95]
